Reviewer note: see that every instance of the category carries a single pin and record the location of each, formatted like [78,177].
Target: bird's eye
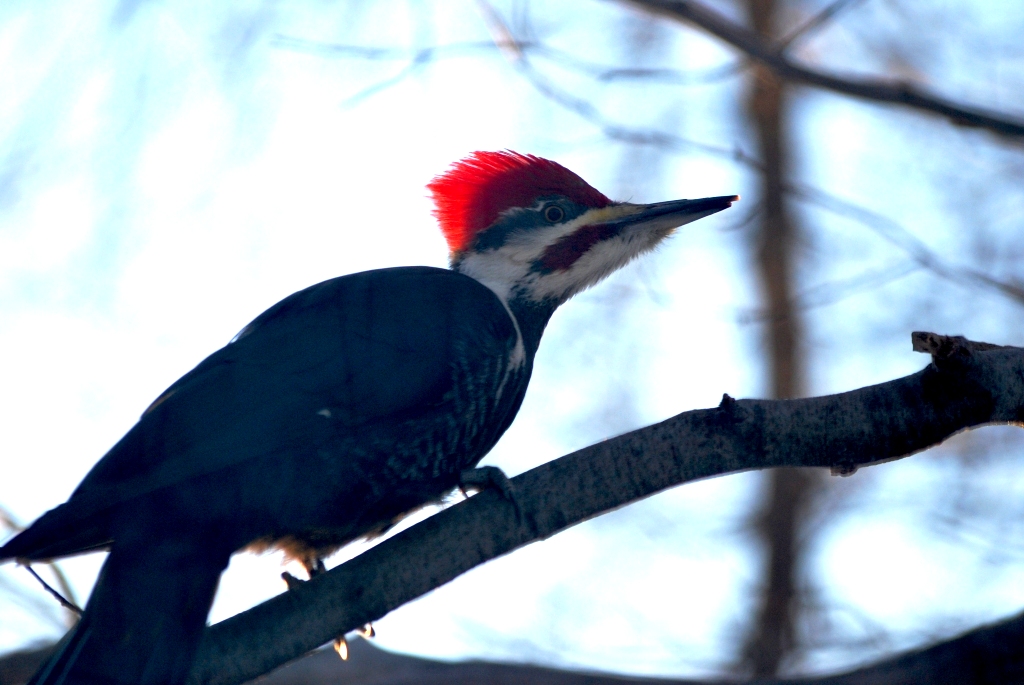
[553,214]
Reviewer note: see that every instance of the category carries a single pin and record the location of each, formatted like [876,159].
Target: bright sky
[168,171]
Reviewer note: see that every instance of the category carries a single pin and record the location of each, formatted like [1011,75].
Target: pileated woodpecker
[335,412]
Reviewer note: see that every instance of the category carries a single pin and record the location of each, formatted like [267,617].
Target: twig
[70,606]
[825,294]
[8,520]
[67,591]
[883,226]
[518,51]
[897,235]
[888,229]
[872,89]
[814,23]
[567,60]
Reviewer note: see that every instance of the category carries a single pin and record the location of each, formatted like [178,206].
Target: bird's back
[331,399]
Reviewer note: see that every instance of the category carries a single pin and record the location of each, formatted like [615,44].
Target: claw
[314,566]
[291,581]
[341,647]
[367,631]
[491,477]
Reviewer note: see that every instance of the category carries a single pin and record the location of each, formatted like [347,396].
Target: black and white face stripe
[567,250]
[529,257]
[520,222]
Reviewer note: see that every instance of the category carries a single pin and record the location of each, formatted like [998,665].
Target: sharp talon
[291,581]
[341,647]
[492,477]
[367,631]
[314,566]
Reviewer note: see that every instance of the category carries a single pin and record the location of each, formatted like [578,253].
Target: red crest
[471,195]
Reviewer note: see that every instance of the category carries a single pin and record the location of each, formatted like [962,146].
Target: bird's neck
[532,318]
[500,277]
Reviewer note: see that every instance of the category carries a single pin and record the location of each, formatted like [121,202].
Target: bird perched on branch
[334,413]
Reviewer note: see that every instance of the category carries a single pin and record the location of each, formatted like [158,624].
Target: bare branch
[964,386]
[872,89]
[8,520]
[900,237]
[518,52]
[831,292]
[814,23]
[70,606]
[567,60]
[889,230]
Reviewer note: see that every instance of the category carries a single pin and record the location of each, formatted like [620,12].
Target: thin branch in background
[814,23]
[419,62]
[875,635]
[752,210]
[417,58]
[597,71]
[899,236]
[605,73]
[675,76]
[517,51]
[26,598]
[10,522]
[67,604]
[831,292]
[65,588]
[872,89]
[887,228]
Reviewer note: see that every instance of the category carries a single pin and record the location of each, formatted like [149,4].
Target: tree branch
[875,90]
[967,384]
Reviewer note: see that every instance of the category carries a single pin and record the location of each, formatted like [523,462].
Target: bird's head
[530,229]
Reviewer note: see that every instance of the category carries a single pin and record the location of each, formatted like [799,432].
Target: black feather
[336,411]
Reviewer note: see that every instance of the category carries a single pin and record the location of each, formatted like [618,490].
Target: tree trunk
[772,634]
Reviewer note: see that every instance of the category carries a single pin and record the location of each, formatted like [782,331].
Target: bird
[335,412]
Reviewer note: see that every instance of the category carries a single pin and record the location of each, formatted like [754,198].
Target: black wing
[364,347]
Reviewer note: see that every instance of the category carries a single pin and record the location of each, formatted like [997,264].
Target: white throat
[511,269]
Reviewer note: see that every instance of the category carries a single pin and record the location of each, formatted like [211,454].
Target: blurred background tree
[169,169]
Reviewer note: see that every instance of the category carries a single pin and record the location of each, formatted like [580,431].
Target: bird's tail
[143,620]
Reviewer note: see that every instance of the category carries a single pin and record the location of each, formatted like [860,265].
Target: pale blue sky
[170,169]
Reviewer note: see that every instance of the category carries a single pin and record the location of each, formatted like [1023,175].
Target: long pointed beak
[674,213]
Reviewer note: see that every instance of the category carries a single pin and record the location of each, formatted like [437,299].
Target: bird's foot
[341,642]
[341,647]
[291,581]
[314,566]
[491,477]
